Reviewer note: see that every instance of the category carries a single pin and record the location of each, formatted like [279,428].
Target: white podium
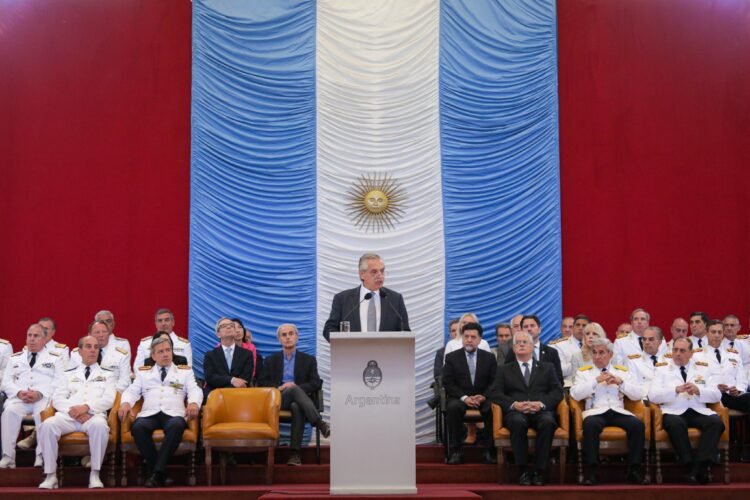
[372,413]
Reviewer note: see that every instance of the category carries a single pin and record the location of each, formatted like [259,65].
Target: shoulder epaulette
[634,356]
[147,337]
[744,336]
[668,355]
[584,368]
[621,368]
[54,354]
[71,369]
[183,339]
[733,361]
[144,368]
[661,363]
[701,363]
[106,369]
[622,335]
[60,346]
[121,339]
[700,349]
[732,350]
[75,350]
[183,367]
[121,350]
[3,341]
[17,353]
[557,341]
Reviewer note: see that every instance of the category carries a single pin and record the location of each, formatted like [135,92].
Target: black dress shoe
[704,474]
[635,475]
[154,481]
[455,458]
[538,479]
[690,478]
[325,429]
[489,457]
[526,479]
[590,479]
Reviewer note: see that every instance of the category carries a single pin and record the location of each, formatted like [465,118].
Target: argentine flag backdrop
[295,101]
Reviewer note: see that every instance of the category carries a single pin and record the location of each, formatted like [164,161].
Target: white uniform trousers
[13,414]
[49,434]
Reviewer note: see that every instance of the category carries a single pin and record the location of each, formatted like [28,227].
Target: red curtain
[94,162]
[655,150]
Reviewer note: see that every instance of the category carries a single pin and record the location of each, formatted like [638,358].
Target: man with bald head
[679,329]
[29,381]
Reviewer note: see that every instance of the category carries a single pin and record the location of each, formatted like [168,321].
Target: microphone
[383,296]
[368,296]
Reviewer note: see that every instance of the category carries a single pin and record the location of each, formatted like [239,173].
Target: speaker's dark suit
[218,375]
[457,383]
[547,354]
[348,300]
[543,386]
[298,399]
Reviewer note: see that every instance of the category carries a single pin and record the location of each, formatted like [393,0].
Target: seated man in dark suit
[295,374]
[468,375]
[176,358]
[228,365]
[542,352]
[528,392]
[384,310]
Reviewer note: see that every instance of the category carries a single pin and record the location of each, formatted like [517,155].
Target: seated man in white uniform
[114,340]
[644,365]
[81,401]
[29,381]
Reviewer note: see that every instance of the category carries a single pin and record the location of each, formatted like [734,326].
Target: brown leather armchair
[76,444]
[188,444]
[501,435]
[662,442]
[241,420]
[612,440]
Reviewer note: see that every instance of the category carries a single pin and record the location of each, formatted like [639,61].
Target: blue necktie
[472,365]
[228,355]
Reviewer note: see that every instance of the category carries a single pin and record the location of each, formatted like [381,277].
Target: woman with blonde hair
[591,332]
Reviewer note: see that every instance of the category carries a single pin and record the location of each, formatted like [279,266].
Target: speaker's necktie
[371,315]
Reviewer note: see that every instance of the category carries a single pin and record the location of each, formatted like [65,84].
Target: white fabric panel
[377,113]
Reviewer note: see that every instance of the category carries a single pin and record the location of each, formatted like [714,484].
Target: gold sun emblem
[375,203]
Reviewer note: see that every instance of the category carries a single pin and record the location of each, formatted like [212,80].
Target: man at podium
[369,307]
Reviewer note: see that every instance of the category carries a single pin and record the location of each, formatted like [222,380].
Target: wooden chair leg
[317,445]
[209,466]
[500,466]
[269,464]
[191,469]
[657,456]
[563,457]
[124,478]
[579,459]
[60,470]
[111,466]
[223,468]
[726,466]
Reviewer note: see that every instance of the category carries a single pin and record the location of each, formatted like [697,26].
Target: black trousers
[740,403]
[455,410]
[592,429]
[518,424]
[711,428]
[303,410]
[143,431]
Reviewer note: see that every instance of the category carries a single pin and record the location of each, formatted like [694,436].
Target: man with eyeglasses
[228,365]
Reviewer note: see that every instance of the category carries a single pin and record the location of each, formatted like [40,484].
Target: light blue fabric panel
[252,222]
[500,163]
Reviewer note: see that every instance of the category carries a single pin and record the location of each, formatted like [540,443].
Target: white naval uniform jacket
[6,350]
[643,370]
[97,392]
[628,344]
[42,377]
[116,359]
[731,370]
[668,377]
[567,349]
[167,396]
[180,346]
[601,397]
